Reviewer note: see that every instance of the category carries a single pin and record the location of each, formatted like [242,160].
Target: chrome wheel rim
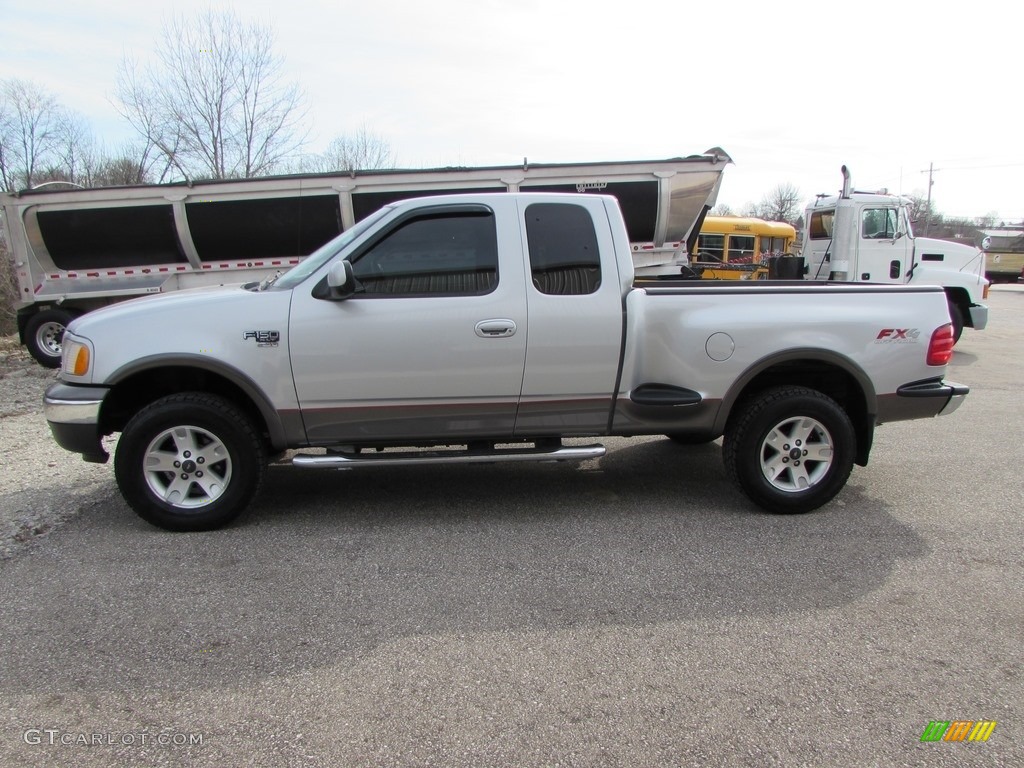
[187,467]
[49,337]
[796,454]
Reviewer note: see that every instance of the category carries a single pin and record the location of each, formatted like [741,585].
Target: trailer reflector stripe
[165,270]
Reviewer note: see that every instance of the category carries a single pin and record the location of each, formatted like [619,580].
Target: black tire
[44,333]
[956,317]
[208,427]
[771,439]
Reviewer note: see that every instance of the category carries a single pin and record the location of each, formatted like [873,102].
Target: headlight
[76,357]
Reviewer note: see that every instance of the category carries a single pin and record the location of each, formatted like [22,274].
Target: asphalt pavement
[630,611]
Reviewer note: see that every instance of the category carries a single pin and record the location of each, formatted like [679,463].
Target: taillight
[940,348]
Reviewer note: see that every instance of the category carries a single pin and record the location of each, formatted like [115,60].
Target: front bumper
[73,414]
[979,316]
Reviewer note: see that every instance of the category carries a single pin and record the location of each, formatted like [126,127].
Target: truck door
[883,248]
[435,343]
[574,297]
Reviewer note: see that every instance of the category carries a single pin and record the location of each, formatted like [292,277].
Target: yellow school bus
[738,248]
[742,240]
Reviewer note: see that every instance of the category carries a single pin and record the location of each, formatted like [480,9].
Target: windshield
[327,251]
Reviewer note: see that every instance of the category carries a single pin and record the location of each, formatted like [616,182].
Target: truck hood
[125,311]
[962,252]
[955,256]
[223,323]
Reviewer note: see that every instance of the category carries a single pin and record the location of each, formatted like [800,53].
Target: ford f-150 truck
[487,328]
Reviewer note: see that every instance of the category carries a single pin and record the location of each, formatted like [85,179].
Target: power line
[977,167]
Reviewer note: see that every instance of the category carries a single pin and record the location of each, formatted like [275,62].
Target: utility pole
[928,215]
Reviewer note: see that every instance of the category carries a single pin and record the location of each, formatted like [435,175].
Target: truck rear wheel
[789,449]
[44,333]
[189,462]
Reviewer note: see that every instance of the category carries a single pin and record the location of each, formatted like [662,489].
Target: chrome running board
[351,460]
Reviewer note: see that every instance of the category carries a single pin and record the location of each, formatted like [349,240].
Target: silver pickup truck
[485,328]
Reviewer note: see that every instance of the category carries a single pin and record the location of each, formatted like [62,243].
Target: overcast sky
[791,90]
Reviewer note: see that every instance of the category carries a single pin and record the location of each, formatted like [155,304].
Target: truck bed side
[705,344]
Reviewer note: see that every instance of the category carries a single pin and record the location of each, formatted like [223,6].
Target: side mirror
[339,284]
[341,280]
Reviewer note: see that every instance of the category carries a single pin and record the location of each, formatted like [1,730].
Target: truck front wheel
[189,462]
[789,449]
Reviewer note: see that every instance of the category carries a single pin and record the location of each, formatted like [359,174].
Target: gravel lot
[39,487]
[632,611]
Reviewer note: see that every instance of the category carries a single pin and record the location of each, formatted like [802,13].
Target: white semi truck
[867,237]
[75,250]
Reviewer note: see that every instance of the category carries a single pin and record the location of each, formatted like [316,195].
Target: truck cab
[869,237]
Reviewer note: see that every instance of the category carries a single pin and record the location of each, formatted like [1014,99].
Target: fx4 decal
[899,335]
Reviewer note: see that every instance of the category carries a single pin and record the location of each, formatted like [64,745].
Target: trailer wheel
[44,333]
[789,449]
[189,462]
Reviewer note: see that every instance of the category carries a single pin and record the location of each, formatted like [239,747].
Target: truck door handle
[495,329]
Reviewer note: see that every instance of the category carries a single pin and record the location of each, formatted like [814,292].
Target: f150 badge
[263,338]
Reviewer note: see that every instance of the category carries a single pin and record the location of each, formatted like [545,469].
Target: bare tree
[364,151]
[722,209]
[30,121]
[74,152]
[988,220]
[918,209]
[130,164]
[213,104]
[781,204]
[140,107]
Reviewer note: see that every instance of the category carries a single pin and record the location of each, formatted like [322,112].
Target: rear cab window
[564,255]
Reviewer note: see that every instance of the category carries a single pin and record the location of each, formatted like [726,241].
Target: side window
[711,245]
[821,225]
[741,248]
[564,258]
[450,254]
[878,223]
